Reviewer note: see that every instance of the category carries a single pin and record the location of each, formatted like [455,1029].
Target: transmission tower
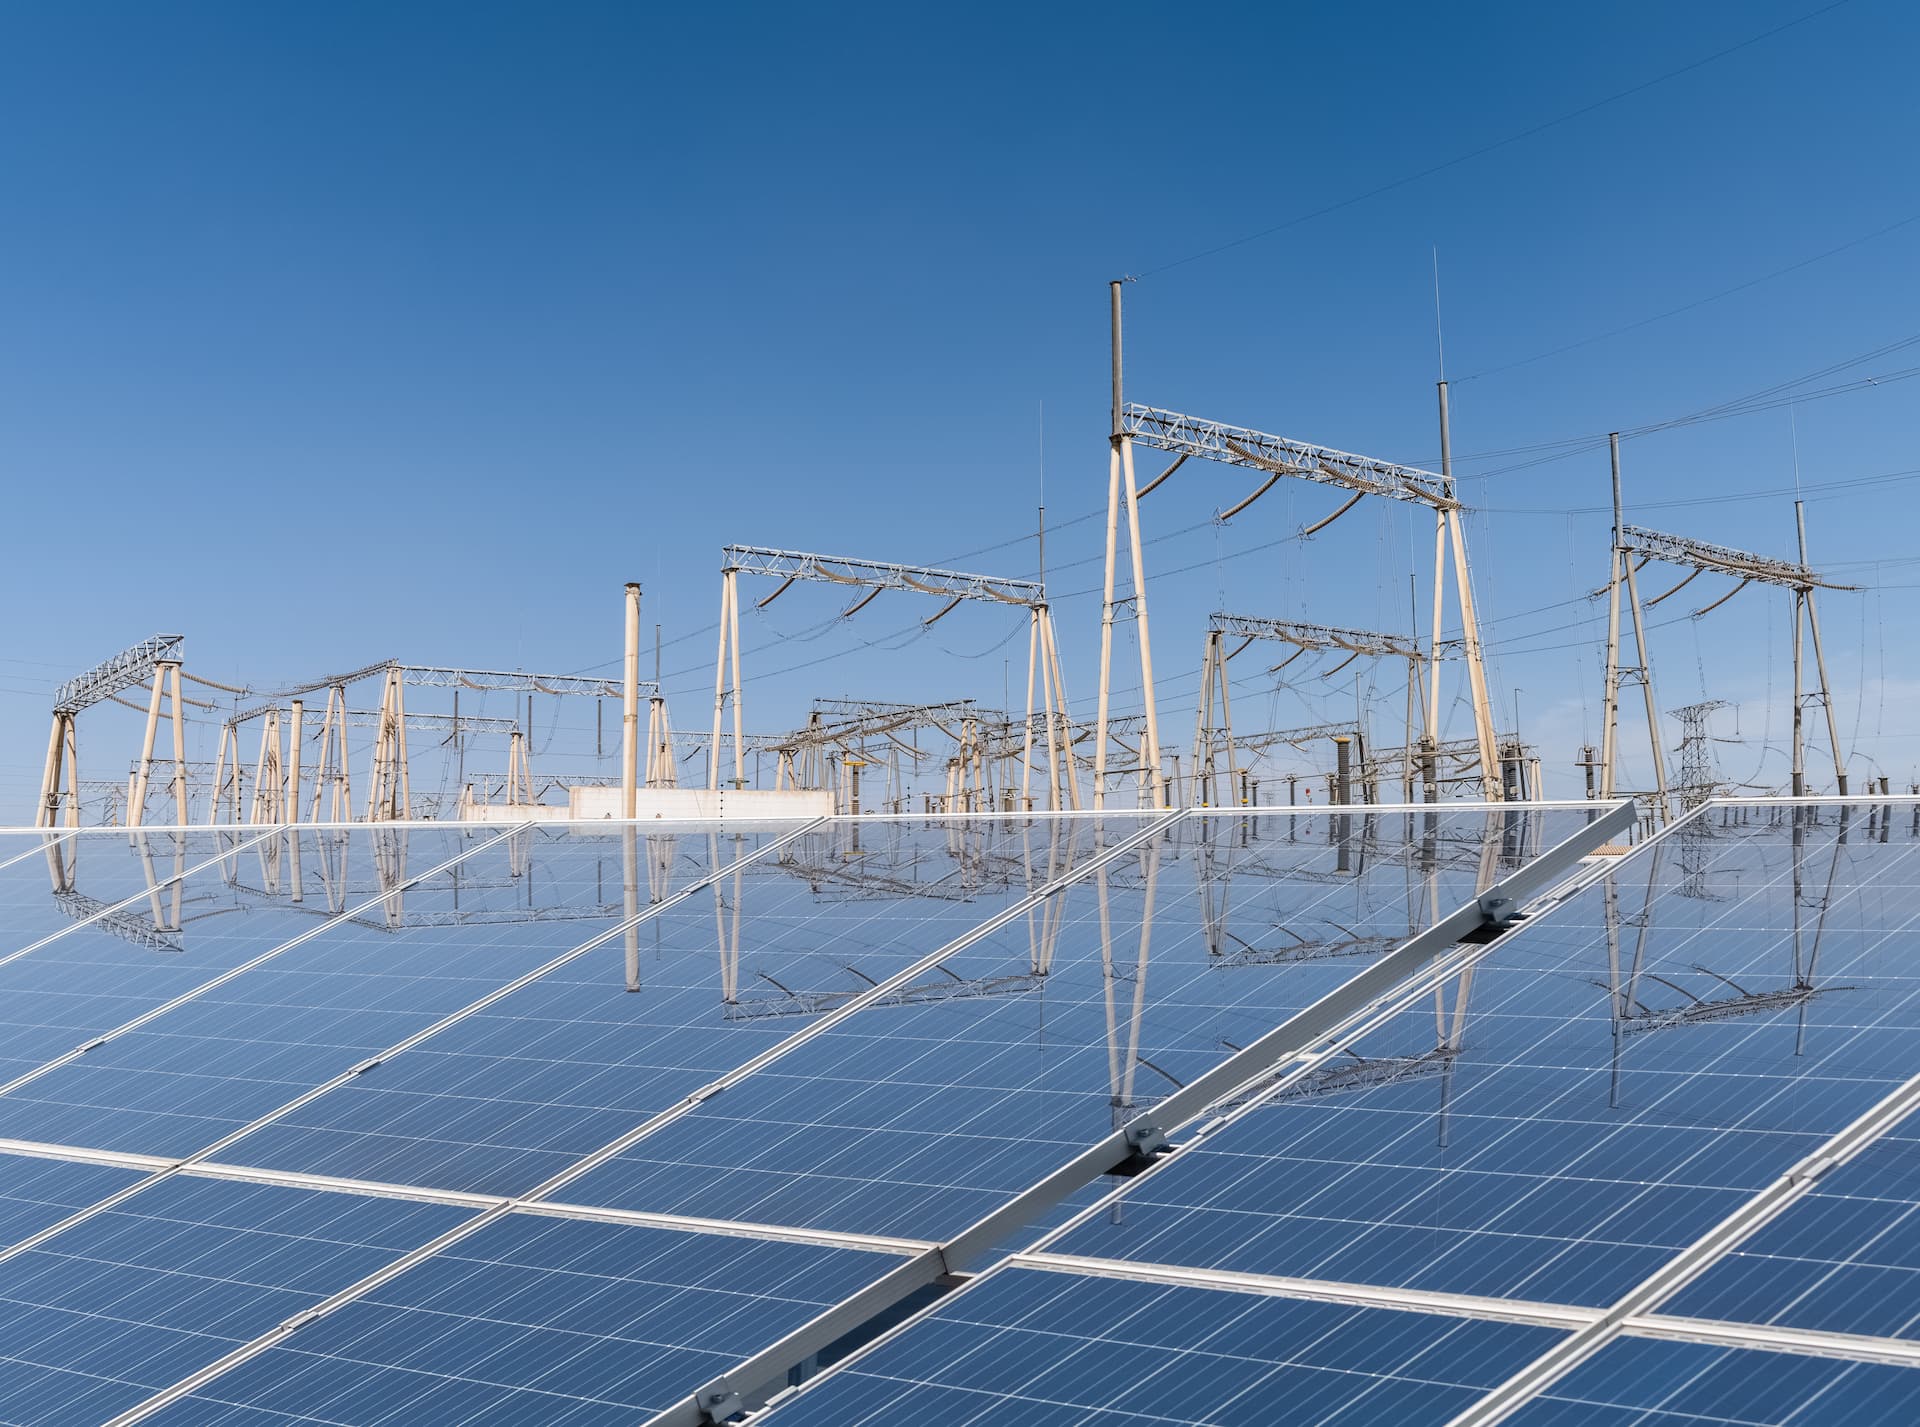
[1699,779]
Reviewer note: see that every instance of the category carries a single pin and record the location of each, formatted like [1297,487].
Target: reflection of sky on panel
[364,983]
[1637,1382]
[506,1098]
[918,1117]
[1845,1259]
[129,1301]
[37,1193]
[1632,1067]
[1034,1349]
[558,1322]
[181,933]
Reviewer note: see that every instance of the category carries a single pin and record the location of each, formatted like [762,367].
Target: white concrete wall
[662,803]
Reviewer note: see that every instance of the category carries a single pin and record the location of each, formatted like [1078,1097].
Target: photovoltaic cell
[131,1300]
[1025,1348]
[38,1193]
[918,1117]
[1637,1382]
[564,1323]
[1845,1259]
[1631,1068]
[507,1097]
[226,1057]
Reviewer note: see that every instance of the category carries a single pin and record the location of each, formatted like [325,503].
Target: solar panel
[1594,1096]
[919,1118]
[365,979]
[802,1086]
[131,1300]
[1640,1383]
[528,1085]
[1845,1259]
[90,968]
[1031,1347]
[562,1322]
[36,1194]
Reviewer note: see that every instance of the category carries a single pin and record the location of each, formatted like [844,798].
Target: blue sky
[341,333]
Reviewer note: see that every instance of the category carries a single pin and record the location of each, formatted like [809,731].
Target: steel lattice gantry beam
[1213,724]
[1190,436]
[123,671]
[1044,674]
[1635,546]
[791,565]
[515,681]
[158,658]
[1699,555]
[1187,437]
[1316,636]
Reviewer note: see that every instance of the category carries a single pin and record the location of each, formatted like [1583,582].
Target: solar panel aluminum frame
[1144,1139]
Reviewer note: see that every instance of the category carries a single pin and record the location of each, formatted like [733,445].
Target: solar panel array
[1128,1118]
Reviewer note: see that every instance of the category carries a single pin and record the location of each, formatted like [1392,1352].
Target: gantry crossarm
[1699,555]
[1316,636]
[1238,446]
[1313,733]
[791,565]
[874,721]
[126,669]
[371,718]
[517,681]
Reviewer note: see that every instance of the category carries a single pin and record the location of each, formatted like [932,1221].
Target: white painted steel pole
[630,714]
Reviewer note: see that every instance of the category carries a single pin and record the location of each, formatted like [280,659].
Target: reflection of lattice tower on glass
[1698,782]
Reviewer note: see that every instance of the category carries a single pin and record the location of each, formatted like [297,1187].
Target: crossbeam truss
[157,658]
[1214,745]
[1187,437]
[874,577]
[273,793]
[1634,547]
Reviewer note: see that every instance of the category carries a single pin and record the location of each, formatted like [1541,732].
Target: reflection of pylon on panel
[1185,437]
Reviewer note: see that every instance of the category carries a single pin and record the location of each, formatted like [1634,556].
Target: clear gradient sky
[337,333]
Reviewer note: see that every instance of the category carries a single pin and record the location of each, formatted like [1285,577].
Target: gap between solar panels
[1302,1041]
[539,1200]
[62,873]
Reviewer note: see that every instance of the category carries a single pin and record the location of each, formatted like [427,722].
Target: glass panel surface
[918,1116]
[507,1097]
[365,983]
[558,1322]
[1637,1382]
[183,932]
[1629,1069]
[1845,1259]
[1025,1348]
[36,1193]
[130,1301]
